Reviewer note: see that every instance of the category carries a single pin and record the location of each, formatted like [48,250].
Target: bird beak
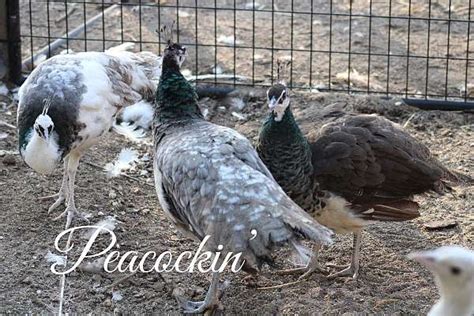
[272,103]
[424,257]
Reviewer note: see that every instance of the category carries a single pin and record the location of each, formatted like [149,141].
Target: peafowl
[353,171]
[210,182]
[69,101]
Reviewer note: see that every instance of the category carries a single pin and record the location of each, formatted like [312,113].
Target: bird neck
[287,154]
[41,154]
[176,99]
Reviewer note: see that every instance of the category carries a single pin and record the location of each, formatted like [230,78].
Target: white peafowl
[69,101]
[453,268]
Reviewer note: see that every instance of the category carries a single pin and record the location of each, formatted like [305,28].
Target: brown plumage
[352,171]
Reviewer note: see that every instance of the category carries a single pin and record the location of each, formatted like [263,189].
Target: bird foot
[307,271]
[349,271]
[71,213]
[49,197]
[60,199]
[209,306]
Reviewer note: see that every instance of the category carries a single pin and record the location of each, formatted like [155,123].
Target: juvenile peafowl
[210,182]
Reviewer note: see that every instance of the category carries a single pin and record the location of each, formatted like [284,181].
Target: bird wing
[210,181]
[368,158]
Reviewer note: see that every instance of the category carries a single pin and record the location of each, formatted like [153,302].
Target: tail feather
[396,211]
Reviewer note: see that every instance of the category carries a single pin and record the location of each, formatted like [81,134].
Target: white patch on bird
[131,132]
[56,259]
[139,114]
[338,216]
[278,107]
[125,161]
[453,268]
[41,154]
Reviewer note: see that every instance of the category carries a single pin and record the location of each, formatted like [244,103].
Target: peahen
[69,101]
[210,182]
[353,171]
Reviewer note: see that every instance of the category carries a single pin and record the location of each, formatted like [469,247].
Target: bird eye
[455,270]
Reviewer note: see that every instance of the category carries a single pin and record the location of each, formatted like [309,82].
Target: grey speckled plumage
[210,181]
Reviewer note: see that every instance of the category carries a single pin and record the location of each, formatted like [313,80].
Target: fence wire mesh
[409,48]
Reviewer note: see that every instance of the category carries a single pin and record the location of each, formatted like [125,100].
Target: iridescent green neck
[176,98]
[286,128]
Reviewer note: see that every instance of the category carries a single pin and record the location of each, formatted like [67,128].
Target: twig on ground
[409,120]
[7,125]
[279,286]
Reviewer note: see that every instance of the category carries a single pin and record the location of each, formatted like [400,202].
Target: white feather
[125,160]
[109,223]
[140,114]
[127,46]
[54,258]
[130,131]
[116,296]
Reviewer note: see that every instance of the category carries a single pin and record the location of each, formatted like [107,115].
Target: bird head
[277,96]
[452,266]
[278,100]
[174,54]
[44,126]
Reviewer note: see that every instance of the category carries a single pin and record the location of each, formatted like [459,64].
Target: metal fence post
[10,44]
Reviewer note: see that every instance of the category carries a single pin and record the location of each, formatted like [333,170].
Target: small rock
[108,303]
[9,160]
[112,194]
[440,225]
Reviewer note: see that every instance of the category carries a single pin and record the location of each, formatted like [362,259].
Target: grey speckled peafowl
[211,182]
[351,172]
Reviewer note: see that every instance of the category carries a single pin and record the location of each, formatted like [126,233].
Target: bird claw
[307,271]
[349,271]
[49,197]
[208,306]
[71,213]
[60,199]
[198,307]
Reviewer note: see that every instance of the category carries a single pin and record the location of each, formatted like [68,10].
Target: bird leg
[210,303]
[61,196]
[353,269]
[71,211]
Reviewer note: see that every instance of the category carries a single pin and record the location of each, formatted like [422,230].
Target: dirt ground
[388,284]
